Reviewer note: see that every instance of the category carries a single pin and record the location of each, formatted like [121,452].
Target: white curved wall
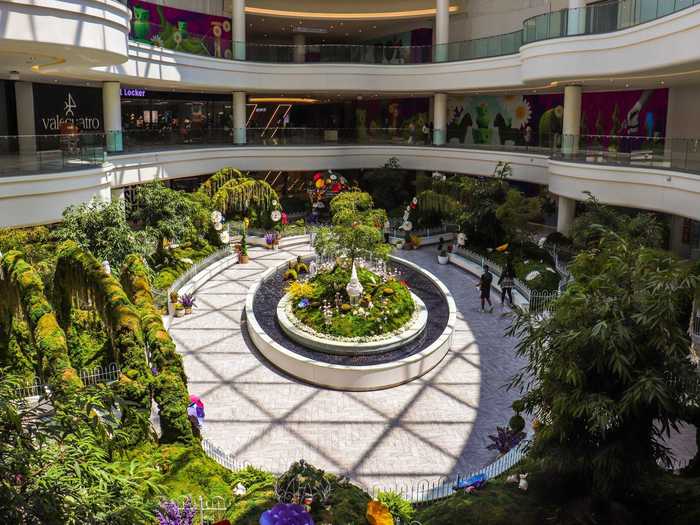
[665,191]
[152,66]
[667,44]
[663,46]
[41,199]
[138,168]
[65,33]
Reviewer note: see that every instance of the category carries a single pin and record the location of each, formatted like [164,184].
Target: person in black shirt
[485,287]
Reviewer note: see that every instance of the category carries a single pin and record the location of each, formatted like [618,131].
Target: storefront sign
[132,92]
[61,108]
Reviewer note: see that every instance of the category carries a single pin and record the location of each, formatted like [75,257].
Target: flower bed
[322,303]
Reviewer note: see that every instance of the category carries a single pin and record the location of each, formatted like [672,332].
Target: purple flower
[171,514]
[286,514]
[303,303]
[505,439]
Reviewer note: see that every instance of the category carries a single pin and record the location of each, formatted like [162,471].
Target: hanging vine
[80,277]
[170,382]
[23,292]
[239,196]
[216,181]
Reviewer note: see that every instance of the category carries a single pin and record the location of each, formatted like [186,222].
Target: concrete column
[566,211]
[112,114]
[442,30]
[24,98]
[238,29]
[299,48]
[239,117]
[572,119]
[576,17]
[440,119]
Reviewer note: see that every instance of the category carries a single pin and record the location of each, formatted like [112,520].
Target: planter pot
[188,311]
[179,313]
[443,260]
[243,259]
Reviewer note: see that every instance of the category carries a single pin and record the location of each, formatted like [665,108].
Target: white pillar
[442,29]
[112,115]
[576,17]
[239,117]
[566,211]
[299,48]
[238,29]
[24,98]
[440,119]
[572,119]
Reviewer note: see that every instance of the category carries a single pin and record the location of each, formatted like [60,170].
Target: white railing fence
[427,491]
[208,510]
[198,267]
[100,374]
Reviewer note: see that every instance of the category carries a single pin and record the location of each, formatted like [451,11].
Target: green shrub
[516,423]
[399,507]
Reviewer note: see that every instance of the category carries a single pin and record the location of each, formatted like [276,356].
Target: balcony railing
[601,17]
[34,154]
[680,154]
[30,154]
[176,39]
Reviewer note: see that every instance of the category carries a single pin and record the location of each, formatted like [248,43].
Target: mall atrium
[424,262]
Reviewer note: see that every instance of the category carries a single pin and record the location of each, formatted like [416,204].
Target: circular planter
[346,377]
[316,341]
[443,260]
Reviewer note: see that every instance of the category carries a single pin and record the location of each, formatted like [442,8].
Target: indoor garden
[87,362]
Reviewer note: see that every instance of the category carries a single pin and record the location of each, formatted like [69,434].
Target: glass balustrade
[36,154]
[600,17]
[32,154]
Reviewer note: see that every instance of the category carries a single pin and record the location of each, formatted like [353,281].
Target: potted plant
[188,302]
[243,251]
[442,257]
[270,240]
[174,298]
[179,310]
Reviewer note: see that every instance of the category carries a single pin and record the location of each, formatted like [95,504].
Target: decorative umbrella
[196,409]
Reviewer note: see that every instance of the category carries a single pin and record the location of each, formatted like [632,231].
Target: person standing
[506,282]
[485,288]
[426,133]
[387,231]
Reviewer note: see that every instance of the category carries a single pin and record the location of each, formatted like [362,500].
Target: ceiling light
[329,15]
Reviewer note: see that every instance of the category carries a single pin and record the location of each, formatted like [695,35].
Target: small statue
[300,266]
[313,269]
[338,300]
[354,287]
[291,273]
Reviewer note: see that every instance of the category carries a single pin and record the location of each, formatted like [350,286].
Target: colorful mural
[537,119]
[379,117]
[180,30]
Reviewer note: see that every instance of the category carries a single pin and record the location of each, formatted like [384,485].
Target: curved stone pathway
[432,427]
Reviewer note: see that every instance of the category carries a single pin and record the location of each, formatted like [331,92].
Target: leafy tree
[59,470]
[164,213]
[641,229]
[608,371]
[357,228]
[515,214]
[102,229]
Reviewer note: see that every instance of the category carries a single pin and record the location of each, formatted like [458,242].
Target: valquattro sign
[58,107]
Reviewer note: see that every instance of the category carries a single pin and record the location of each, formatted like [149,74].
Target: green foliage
[357,229]
[170,383]
[88,342]
[35,243]
[640,229]
[400,508]
[79,275]
[379,312]
[23,287]
[174,262]
[214,183]
[516,212]
[102,229]
[164,213]
[59,470]
[240,196]
[608,372]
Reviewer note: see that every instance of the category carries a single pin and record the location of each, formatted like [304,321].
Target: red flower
[403,283]
[317,175]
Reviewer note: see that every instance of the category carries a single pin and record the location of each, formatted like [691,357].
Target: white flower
[187,260]
[521,114]
[240,490]
[216,31]
[276,215]
[227,26]
[216,217]
[218,226]
[224,237]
